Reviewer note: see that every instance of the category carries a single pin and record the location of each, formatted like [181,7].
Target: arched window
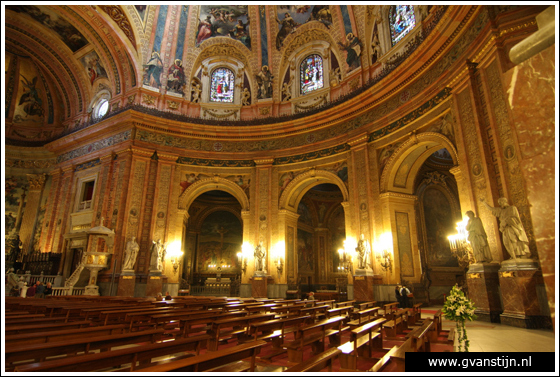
[222,85]
[311,74]
[401,21]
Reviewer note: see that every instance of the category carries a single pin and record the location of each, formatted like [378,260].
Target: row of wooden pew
[117,334]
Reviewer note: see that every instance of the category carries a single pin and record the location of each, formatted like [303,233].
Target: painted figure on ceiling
[205,30]
[176,77]
[353,47]
[154,67]
[32,104]
[287,26]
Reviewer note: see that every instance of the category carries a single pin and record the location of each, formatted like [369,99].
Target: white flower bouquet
[459,308]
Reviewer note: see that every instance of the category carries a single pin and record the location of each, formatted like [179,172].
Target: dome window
[311,73]
[222,85]
[401,21]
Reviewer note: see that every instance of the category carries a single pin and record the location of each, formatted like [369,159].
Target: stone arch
[299,186]
[400,171]
[209,184]
[197,224]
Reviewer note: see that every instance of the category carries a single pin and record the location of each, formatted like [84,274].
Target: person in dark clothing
[48,290]
[39,290]
[405,299]
[398,295]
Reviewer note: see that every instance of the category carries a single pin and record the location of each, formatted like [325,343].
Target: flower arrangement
[459,308]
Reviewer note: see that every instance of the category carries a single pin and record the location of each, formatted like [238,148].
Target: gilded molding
[117,15]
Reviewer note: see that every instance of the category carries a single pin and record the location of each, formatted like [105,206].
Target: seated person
[311,296]
[168,296]
[159,297]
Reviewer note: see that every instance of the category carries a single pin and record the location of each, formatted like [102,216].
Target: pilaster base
[154,285]
[363,288]
[259,287]
[527,322]
[127,283]
[484,290]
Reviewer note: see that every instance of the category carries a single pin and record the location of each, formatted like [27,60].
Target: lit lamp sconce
[279,258]
[345,258]
[460,246]
[242,256]
[384,252]
[175,254]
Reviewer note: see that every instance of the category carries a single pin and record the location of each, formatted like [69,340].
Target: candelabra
[344,261]
[175,262]
[385,261]
[460,246]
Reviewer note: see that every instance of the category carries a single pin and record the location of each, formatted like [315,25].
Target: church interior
[230,155]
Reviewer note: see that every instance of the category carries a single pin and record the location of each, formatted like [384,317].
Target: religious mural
[16,189]
[219,242]
[141,9]
[304,214]
[439,224]
[41,216]
[305,251]
[223,21]
[353,47]
[311,74]
[93,66]
[67,32]
[289,17]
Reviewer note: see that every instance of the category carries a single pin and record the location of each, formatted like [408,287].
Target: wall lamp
[175,254]
[344,261]
[242,257]
[384,252]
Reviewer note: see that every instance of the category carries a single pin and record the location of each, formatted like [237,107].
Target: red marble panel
[126,285]
[519,294]
[154,286]
[259,287]
[363,288]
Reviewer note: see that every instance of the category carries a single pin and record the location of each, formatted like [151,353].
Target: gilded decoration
[117,15]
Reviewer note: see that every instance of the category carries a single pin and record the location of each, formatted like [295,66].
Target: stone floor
[495,337]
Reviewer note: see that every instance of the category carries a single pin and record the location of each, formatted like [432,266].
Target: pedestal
[518,281]
[127,283]
[363,286]
[484,290]
[154,284]
[259,287]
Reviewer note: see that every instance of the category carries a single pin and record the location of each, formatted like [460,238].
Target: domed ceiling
[207,64]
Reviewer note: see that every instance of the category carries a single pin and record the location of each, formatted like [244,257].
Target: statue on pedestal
[130,254]
[478,239]
[260,253]
[514,236]
[363,251]
[157,255]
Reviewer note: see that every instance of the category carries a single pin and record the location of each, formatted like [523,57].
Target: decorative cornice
[215,163]
[117,15]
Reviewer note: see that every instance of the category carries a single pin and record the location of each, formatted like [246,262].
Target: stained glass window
[222,85]
[401,21]
[311,74]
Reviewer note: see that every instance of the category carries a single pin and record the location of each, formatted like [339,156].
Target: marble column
[484,290]
[518,283]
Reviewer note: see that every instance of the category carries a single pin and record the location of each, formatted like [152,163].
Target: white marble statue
[260,254]
[157,255]
[478,239]
[130,254]
[513,234]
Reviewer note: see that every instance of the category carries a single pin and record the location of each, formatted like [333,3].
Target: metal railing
[214,290]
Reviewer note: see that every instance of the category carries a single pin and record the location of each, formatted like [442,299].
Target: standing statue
[260,253]
[477,238]
[130,254]
[157,255]
[12,287]
[264,80]
[363,250]
[246,97]
[513,234]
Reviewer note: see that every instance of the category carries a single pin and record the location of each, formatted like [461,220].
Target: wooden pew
[437,331]
[315,335]
[22,318]
[396,325]
[417,311]
[39,352]
[235,327]
[23,329]
[137,356]
[326,302]
[275,329]
[364,316]
[318,362]
[366,305]
[229,359]
[418,341]
[315,312]
[203,322]
[34,321]
[390,309]
[61,335]
[384,361]
[344,311]
[363,340]
[344,303]
[286,310]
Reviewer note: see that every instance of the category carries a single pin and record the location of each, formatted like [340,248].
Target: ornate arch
[297,188]
[209,184]
[200,217]
[399,172]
